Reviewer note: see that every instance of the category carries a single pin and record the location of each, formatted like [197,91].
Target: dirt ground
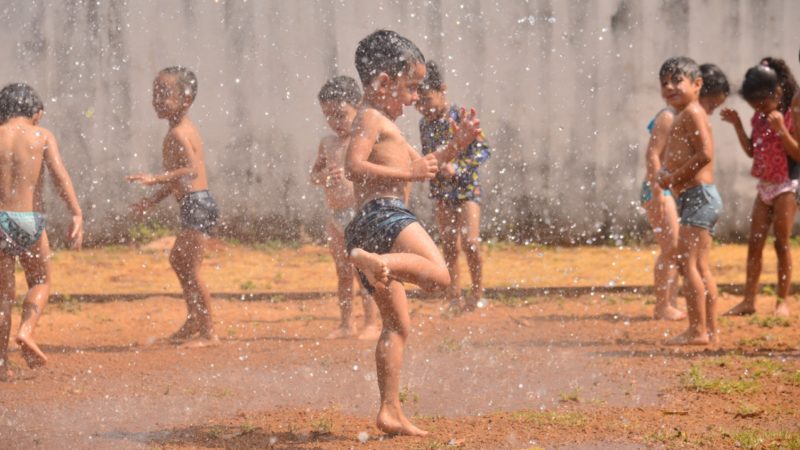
[538,372]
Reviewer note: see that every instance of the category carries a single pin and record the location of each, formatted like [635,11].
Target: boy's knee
[472,246]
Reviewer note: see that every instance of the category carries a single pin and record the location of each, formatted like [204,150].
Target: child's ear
[37,117]
[380,81]
[698,82]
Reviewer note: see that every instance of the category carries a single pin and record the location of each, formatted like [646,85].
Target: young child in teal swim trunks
[456,188]
[339,98]
[25,150]
[387,244]
[688,171]
[174,91]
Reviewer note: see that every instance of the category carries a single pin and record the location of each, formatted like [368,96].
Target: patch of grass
[69,304]
[793,378]
[760,341]
[752,439]
[570,396]
[542,418]
[215,432]
[697,382]
[770,321]
[510,300]
[450,345]
[407,395]
[765,367]
[248,285]
[275,244]
[666,436]
[746,410]
[768,289]
[142,233]
[247,428]
[322,425]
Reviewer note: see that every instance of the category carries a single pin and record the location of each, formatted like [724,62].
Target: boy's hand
[663,179]
[424,168]
[775,119]
[142,178]
[448,170]
[730,115]
[76,232]
[334,175]
[467,129]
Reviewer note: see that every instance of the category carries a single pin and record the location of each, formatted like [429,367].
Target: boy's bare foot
[203,340]
[689,337]
[371,265]
[397,424]
[782,309]
[741,309]
[31,352]
[370,332]
[185,332]
[668,313]
[344,331]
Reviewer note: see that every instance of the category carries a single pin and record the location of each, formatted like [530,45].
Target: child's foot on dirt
[345,331]
[185,332]
[782,310]
[371,265]
[392,425]
[202,341]
[689,337]
[31,352]
[370,332]
[741,309]
[668,313]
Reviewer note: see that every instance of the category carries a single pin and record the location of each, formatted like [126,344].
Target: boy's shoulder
[693,113]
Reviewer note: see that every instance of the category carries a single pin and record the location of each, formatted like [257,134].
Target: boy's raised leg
[690,244]
[393,305]
[186,259]
[36,264]
[6,301]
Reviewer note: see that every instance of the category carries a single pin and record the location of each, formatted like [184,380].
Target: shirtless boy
[385,241]
[339,98]
[25,148]
[688,171]
[184,176]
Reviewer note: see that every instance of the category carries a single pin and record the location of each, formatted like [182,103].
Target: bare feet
[371,265]
[185,332]
[689,337]
[713,338]
[370,332]
[31,352]
[668,313]
[202,341]
[344,331]
[741,309]
[397,423]
[782,309]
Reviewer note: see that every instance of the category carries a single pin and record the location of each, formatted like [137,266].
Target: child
[769,88]
[688,172]
[385,241]
[25,148]
[174,91]
[339,98]
[455,189]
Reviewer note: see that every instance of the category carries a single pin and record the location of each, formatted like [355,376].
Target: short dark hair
[714,81]
[385,51]
[19,99]
[680,65]
[186,78]
[434,80]
[340,89]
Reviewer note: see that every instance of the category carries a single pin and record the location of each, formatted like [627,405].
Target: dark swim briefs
[375,228]
[199,211]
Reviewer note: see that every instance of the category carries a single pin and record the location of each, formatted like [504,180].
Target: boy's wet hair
[186,78]
[714,81]
[340,89]
[680,65]
[385,51]
[434,80]
[19,99]
[786,81]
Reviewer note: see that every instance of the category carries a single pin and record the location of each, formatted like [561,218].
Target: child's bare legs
[691,242]
[36,265]
[470,235]
[447,218]
[344,276]
[710,288]
[186,259]
[785,208]
[6,301]
[760,221]
[663,218]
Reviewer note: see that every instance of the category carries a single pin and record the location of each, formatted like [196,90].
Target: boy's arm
[731,116]
[655,147]
[63,185]
[366,129]
[189,169]
[702,141]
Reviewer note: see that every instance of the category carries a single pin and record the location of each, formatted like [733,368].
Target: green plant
[144,232]
[406,394]
[69,304]
[322,425]
[696,381]
[248,285]
[570,396]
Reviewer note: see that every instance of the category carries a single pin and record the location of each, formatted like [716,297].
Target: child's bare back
[22,151]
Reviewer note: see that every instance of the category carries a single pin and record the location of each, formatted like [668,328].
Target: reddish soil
[586,372]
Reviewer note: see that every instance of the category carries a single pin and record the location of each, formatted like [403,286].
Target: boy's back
[22,148]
